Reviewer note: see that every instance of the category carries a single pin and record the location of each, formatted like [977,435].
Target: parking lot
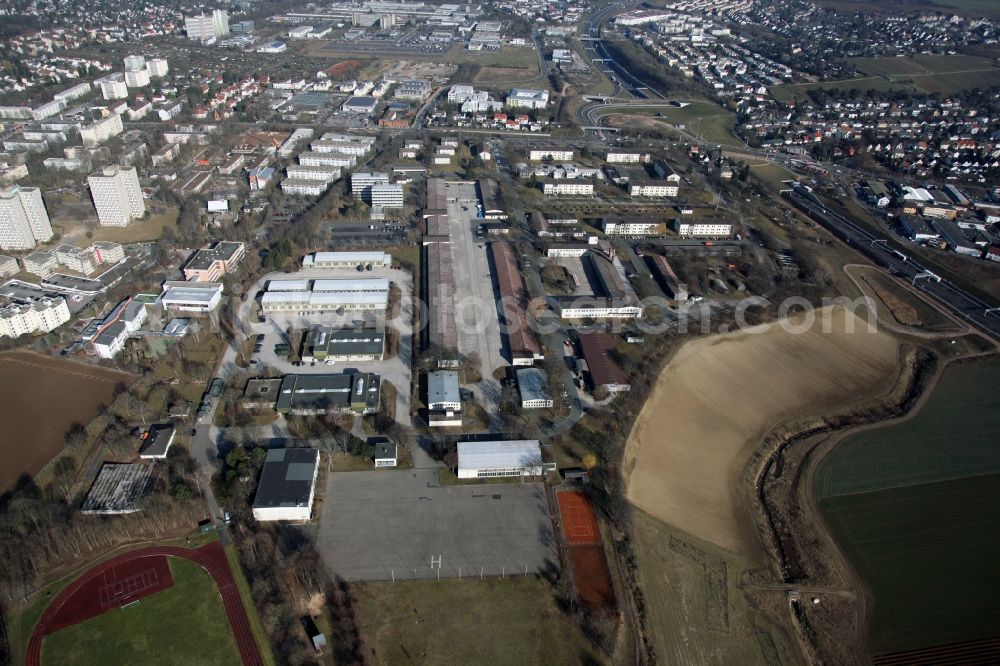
[403,524]
[475,300]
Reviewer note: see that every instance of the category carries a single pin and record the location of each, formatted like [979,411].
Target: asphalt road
[970,308]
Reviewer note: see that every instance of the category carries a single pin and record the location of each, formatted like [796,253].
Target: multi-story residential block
[550,153]
[113,86]
[620,157]
[313,172]
[117,196]
[75,258]
[157,67]
[207,27]
[327,159]
[210,264]
[136,79]
[40,263]
[101,130]
[634,228]
[564,187]
[523,98]
[23,218]
[134,63]
[702,229]
[107,252]
[8,266]
[43,315]
[652,188]
[387,196]
[300,187]
[362,182]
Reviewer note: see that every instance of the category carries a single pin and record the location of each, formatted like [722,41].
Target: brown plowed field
[41,397]
[718,397]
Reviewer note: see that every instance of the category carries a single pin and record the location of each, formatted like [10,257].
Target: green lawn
[955,435]
[184,624]
[149,229]
[469,622]
[928,553]
[259,634]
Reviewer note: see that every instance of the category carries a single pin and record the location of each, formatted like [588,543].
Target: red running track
[211,557]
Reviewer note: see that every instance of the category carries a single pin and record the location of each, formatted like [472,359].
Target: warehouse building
[331,295]
[306,395]
[533,387]
[347,260]
[483,460]
[522,344]
[603,371]
[667,278]
[287,485]
[329,345]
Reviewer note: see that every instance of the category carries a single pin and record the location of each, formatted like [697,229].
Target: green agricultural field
[697,613]
[955,435]
[513,621]
[913,505]
[945,74]
[928,553]
[184,624]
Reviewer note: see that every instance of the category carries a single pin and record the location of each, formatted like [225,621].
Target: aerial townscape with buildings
[358,332]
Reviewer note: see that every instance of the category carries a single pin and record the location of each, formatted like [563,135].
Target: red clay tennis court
[579,522]
[592,577]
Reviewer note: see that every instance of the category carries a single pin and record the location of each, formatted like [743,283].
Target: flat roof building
[480,460]
[287,485]
[191,296]
[347,260]
[533,386]
[323,394]
[442,390]
[210,264]
[331,345]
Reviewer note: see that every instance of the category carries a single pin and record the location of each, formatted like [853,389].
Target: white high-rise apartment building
[113,86]
[23,218]
[117,196]
[45,314]
[134,63]
[205,27]
[138,78]
[101,130]
[157,67]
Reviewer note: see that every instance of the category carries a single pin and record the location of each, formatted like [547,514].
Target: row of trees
[43,530]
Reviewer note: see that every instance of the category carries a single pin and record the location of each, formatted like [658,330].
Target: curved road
[221,574]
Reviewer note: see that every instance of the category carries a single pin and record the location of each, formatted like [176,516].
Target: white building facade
[117,196]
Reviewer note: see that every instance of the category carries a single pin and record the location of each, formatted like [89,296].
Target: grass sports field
[184,624]
[30,384]
[687,451]
[913,505]
[513,621]
[696,612]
